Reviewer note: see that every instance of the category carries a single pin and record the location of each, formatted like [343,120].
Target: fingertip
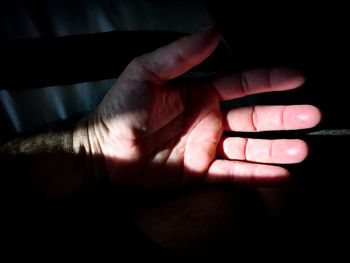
[208,28]
[298,152]
[289,151]
[283,78]
[302,117]
[312,116]
[315,115]
[208,36]
[211,30]
[305,149]
[272,175]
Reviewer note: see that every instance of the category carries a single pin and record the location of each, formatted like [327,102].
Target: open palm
[157,131]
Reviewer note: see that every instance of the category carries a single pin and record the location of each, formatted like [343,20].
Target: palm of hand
[156,132]
[170,137]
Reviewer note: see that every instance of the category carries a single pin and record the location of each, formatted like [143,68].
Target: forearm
[53,164]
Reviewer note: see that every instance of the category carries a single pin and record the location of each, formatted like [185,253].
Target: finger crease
[254,119]
[245,152]
[282,117]
[271,150]
[244,85]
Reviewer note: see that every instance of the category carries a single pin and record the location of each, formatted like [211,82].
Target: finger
[173,60]
[223,171]
[263,151]
[231,86]
[271,118]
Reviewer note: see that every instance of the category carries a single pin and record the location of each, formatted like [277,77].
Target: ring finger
[280,151]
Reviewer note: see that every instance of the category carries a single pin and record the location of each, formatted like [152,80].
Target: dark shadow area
[116,222]
[202,221]
[49,61]
[44,62]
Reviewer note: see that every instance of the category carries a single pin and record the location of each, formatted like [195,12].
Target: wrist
[86,143]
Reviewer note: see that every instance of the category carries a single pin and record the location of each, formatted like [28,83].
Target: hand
[154,131]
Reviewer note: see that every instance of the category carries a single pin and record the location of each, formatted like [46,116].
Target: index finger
[232,86]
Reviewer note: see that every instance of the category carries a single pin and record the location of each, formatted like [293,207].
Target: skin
[156,131]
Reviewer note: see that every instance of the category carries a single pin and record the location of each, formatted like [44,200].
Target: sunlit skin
[155,130]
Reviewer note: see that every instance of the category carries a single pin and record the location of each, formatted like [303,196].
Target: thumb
[174,59]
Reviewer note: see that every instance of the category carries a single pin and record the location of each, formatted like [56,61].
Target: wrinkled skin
[155,131]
